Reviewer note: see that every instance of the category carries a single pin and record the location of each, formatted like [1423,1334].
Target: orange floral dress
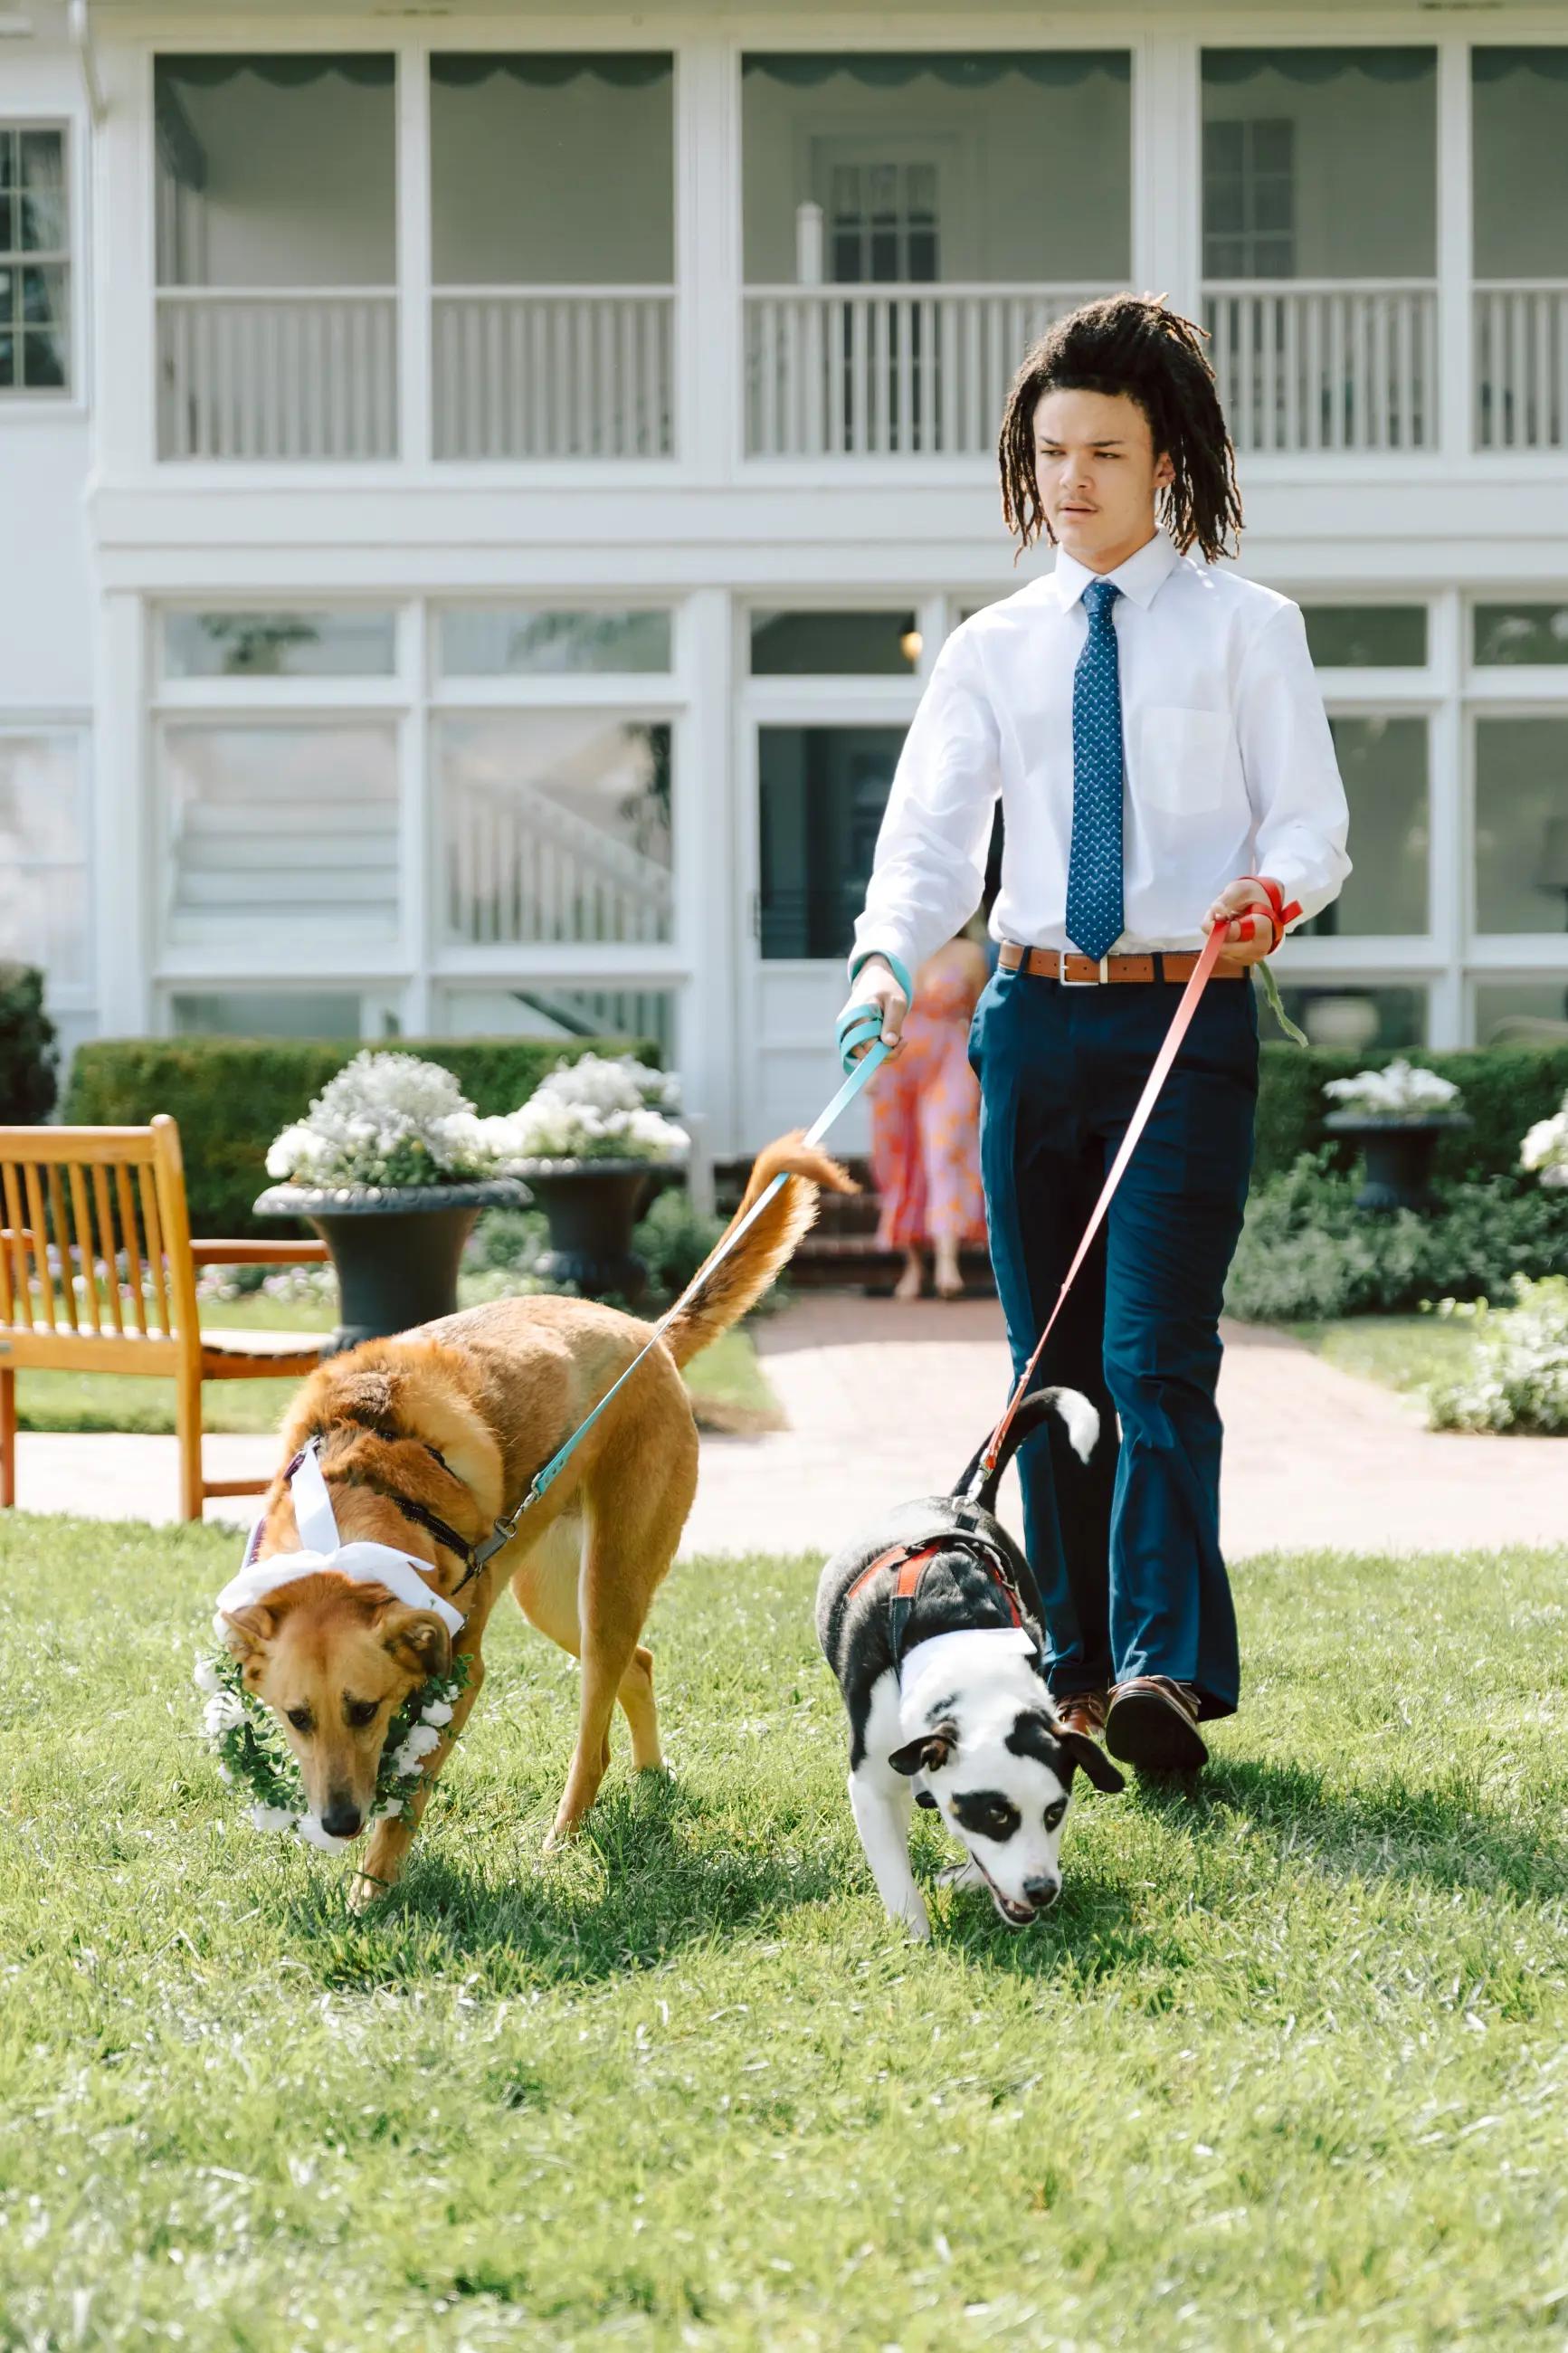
[925,1121]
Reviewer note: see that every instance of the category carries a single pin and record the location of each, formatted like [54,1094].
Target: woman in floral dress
[925,1125]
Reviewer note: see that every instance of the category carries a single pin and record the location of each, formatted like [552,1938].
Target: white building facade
[480,494]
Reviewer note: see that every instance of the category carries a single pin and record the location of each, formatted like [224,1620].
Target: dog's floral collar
[242,1730]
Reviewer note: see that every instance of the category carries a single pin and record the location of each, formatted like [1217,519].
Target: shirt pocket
[1183,756]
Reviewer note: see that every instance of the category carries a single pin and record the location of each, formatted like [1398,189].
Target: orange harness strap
[911,1561]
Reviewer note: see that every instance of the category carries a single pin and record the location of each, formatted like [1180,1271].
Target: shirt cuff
[864,950]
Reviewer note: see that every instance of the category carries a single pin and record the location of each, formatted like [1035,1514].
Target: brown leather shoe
[1152,1724]
[1082,1712]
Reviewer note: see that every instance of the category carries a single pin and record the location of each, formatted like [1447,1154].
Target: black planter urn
[592,1207]
[1398,1154]
[395,1247]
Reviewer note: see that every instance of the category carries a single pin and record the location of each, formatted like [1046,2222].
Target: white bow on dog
[363,1564]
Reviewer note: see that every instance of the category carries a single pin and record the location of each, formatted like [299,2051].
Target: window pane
[822,794]
[43,204]
[1522,1012]
[280,645]
[558,1010]
[256,1013]
[1520,118]
[44,882]
[556,826]
[281,831]
[518,152]
[1521,825]
[1344,1014]
[834,645]
[513,642]
[1506,634]
[44,361]
[1366,637]
[1384,763]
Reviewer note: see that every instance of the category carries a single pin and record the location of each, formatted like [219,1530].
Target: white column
[420,862]
[1167,175]
[1450,834]
[414,322]
[127,873]
[707,259]
[710,893]
[124,267]
[1456,306]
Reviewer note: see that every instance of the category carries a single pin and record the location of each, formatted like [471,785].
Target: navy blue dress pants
[1125,1548]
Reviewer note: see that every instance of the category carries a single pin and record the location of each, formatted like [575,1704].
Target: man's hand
[875,984]
[1250,926]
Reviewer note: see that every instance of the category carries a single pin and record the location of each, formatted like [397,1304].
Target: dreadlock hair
[1130,343]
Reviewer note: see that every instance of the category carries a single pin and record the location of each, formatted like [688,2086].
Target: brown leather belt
[1082,972]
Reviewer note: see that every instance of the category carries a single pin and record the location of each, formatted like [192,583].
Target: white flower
[1545,1148]
[273,1818]
[309,1828]
[438,1712]
[221,1714]
[226,1774]
[387,1120]
[1399,1092]
[205,1676]
[390,1811]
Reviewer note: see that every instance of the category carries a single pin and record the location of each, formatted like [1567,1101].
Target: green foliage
[28,1054]
[1308,1252]
[1504,1090]
[672,1239]
[1517,1375]
[1251,2083]
[232,1095]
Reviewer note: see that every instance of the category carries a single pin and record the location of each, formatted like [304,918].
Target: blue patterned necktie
[1094,916]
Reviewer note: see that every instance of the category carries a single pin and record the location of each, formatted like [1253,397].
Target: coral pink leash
[1181,1023]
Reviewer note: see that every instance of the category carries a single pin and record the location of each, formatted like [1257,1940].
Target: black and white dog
[931,1625]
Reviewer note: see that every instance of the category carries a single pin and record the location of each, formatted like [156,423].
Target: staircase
[840,1252]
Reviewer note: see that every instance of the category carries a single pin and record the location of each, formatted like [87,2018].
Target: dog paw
[961,1874]
[362,1891]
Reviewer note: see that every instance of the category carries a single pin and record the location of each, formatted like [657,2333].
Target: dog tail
[740,1280]
[1080,1418]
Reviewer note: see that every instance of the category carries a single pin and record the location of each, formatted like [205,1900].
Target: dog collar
[322,1552]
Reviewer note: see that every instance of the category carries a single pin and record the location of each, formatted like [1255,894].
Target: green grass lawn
[1286,2066]
[1400,1352]
[728,1389]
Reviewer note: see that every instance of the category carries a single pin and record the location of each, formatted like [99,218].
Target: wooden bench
[75,1203]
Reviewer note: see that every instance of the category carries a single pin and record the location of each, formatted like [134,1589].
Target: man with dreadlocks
[1153,728]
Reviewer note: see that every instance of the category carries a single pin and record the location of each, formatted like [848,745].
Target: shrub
[232,1095]
[28,1057]
[1307,1251]
[1517,1375]
[1505,1090]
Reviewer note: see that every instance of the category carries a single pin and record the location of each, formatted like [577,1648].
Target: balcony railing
[1325,363]
[1521,363]
[276,374]
[522,869]
[883,370]
[554,372]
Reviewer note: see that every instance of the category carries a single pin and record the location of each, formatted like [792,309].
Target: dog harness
[911,1561]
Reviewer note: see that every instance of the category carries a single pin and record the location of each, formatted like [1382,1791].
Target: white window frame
[76,996]
[29,400]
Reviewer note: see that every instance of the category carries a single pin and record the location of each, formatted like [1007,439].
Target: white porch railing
[1326,363]
[276,373]
[554,372]
[1521,363]
[522,868]
[888,371]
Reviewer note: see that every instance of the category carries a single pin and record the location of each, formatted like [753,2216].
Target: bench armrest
[268,1253]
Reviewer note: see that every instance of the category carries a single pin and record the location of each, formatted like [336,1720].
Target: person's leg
[1172,1229]
[897,1169]
[1042,1173]
[949,1117]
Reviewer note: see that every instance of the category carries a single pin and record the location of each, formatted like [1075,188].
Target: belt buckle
[1100,979]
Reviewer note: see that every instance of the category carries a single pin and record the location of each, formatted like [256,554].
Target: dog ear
[1096,1764]
[927,1754]
[248,1631]
[417,1640]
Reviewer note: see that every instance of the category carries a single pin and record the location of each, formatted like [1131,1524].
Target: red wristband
[1279,914]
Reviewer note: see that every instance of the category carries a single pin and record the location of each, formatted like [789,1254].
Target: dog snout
[1042,1893]
[342,1816]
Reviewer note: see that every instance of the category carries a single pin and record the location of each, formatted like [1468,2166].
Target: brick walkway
[887,1402]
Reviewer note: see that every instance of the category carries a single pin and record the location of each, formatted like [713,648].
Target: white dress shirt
[1229,765]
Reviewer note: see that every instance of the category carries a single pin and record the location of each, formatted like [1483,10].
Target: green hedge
[1504,1088]
[233,1095]
[27,1048]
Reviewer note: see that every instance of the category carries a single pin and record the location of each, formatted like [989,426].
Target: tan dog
[447,1425]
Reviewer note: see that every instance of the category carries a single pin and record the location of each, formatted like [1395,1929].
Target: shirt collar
[1140,578]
